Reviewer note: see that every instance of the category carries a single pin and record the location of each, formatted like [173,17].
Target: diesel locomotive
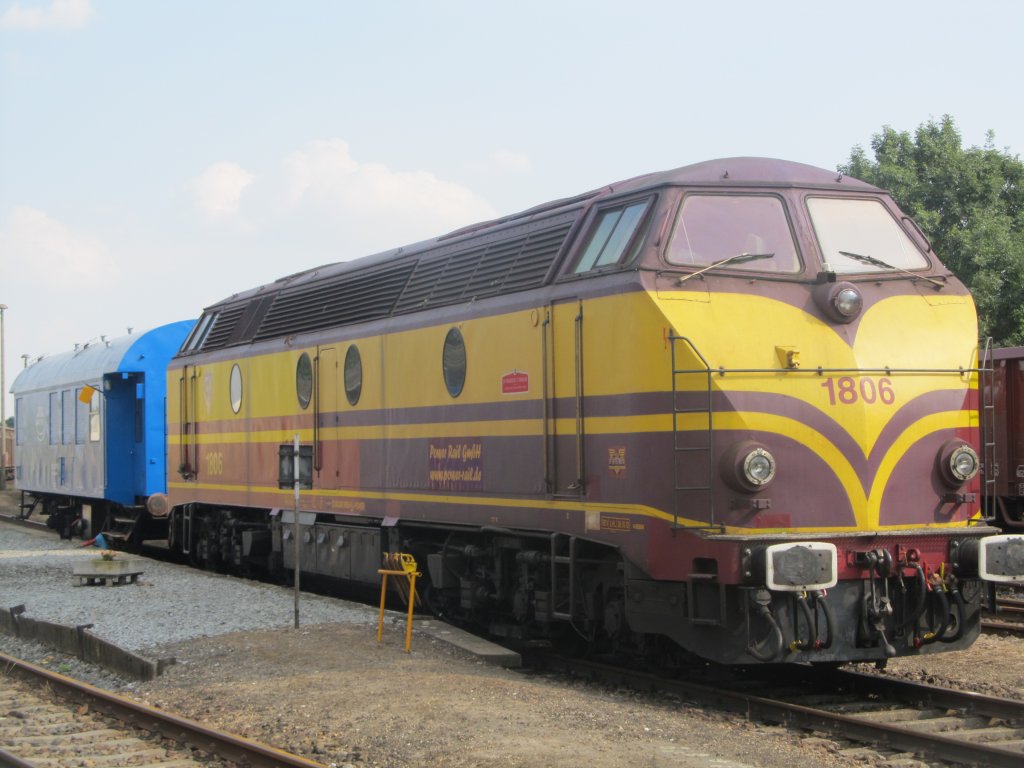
[728,411]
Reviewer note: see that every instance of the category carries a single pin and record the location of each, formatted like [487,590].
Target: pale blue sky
[156,157]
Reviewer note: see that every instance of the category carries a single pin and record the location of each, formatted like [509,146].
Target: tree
[970,203]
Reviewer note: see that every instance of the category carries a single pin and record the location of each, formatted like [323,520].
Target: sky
[158,156]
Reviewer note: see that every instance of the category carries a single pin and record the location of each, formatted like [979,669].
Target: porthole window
[353,375]
[453,362]
[304,380]
[236,388]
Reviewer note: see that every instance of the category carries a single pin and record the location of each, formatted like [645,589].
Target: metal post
[295,529]
[3,404]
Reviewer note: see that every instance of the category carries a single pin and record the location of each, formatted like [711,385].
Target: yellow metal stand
[398,564]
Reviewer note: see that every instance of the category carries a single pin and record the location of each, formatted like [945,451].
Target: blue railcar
[91,432]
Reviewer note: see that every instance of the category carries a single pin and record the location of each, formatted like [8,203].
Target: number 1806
[846,390]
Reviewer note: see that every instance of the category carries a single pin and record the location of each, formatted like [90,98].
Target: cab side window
[612,236]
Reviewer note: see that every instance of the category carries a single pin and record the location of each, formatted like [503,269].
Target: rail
[225,745]
[965,729]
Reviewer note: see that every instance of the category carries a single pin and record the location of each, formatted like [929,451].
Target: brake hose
[775,637]
[915,614]
[798,644]
[961,612]
[939,595]
[830,621]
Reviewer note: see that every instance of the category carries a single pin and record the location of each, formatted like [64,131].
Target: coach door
[563,384]
[325,418]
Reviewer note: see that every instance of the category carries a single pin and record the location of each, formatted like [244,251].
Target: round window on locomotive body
[304,380]
[236,388]
[353,375]
[453,362]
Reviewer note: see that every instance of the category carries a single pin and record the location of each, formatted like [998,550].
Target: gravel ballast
[169,603]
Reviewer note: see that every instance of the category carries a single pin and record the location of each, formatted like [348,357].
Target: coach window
[67,410]
[55,418]
[82,414]
[236,388]
[453,362]
[353,375]
[94,417]
[304,380]
[750,231]
[612,234]
[94,422]
[19,419]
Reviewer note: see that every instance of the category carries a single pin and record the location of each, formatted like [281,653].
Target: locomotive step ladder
[692,445]
[987,409]
[563,576]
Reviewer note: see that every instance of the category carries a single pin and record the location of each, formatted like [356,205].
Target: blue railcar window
[612,235]
[81,417]
[19,419]
[94,418]
[55,418]
[140,415]
[711,228]
[67,417]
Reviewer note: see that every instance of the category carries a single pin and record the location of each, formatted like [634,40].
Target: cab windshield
[730,229]
[861,236]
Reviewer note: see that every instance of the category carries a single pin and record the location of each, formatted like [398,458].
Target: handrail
[987,425]
[707,371]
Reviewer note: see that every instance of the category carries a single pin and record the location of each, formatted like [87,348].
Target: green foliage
[970,202]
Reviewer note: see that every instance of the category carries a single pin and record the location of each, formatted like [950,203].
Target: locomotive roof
[88,364]
[732,172]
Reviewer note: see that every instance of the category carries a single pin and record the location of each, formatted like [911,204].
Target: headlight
[747,466]
[963,463]
[848,302]
[957,463]
[841,302]
[759,467]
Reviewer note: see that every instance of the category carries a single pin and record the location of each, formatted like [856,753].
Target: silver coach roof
[88,364]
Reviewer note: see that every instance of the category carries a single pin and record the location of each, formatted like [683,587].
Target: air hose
[775,641]
[961,612]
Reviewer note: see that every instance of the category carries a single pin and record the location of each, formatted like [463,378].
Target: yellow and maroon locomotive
[729,409]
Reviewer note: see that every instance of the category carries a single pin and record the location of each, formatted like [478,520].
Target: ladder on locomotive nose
[692,444]
[987,414]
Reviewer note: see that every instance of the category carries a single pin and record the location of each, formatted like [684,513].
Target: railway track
[944,726]
[1008,617]
[47,719]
